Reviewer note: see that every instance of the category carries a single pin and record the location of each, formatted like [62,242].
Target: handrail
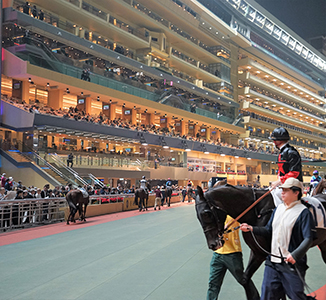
[68,169]
[96,180]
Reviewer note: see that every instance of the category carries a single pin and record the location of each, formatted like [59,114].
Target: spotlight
[48,84]
[67,91]
[134,107]
[82,93]
[98,98]
[30,79]
[110,101]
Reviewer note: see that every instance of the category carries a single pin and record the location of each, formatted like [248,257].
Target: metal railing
[71,172]
[31,212]
[96,180]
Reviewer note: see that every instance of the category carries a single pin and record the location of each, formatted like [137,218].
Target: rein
[249,208]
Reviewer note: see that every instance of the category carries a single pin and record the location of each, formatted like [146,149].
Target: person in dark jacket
[26,8]
[41,15]
[288,161]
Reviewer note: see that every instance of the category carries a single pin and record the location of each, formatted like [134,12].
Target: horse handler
[229,257]
[158,197]
[291,230]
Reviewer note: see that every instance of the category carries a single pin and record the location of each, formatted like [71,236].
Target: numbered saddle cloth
[317,210]
[85,194]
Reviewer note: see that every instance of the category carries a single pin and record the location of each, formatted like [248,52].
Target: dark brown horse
[142,195]
[213,207]
[76,200]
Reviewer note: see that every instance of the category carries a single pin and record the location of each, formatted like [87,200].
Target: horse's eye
[207,217]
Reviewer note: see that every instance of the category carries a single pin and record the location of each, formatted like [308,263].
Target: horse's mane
[320,187]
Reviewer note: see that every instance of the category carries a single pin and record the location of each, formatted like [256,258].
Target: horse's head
[212,219]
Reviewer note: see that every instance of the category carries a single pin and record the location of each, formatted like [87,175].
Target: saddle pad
[317,210]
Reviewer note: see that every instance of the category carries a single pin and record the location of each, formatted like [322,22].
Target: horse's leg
[140,203]
[257,257]
[146,202]
[84,214]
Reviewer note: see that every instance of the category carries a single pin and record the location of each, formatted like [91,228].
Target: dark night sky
[307,18]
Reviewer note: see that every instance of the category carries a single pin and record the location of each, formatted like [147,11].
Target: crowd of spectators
[101,119]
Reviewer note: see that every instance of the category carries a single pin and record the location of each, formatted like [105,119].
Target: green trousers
[220,263]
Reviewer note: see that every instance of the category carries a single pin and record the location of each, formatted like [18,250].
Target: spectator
[3,179]
[70,160]
[7,185]
[2,193]
[26,8]
[41,15]
[34,11]
[19,186]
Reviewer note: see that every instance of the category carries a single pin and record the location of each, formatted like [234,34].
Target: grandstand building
[182,89]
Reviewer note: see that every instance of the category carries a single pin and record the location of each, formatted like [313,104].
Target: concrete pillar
[152,118]
[183,127]
[55,99]
[208,133]
[25,91]
[169,121]
[134,117]
[113,107]
[82,33]
[196,129]
[88,105]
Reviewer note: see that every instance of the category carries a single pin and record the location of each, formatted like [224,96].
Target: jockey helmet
[315,172]
[143,177]
[280,134]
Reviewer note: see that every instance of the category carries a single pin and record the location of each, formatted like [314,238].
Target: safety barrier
[23,213]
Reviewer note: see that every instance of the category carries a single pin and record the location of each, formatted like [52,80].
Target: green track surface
[155,256]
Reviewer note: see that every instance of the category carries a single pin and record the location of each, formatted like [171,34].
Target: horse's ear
[200,192]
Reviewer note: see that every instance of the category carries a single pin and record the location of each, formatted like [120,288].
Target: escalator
[55,160]
[35,49]
[59,175]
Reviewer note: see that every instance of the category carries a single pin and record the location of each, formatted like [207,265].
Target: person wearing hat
[288,161]
[290,228]
[315,179]
[3,179]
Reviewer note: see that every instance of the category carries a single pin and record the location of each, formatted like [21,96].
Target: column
[208,133]
[88,105]
[196,129]
[133,116]
[183,127]
[152,118]
[169,121]
[55,99]
[112,110]
[25,91]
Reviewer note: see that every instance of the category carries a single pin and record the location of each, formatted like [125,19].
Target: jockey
[168,183]
[143,184]
[289,161]
[315,179]
[83,190]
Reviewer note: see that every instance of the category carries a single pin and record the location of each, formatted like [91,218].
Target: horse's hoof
[140,209]
[154,208]
[159,208]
